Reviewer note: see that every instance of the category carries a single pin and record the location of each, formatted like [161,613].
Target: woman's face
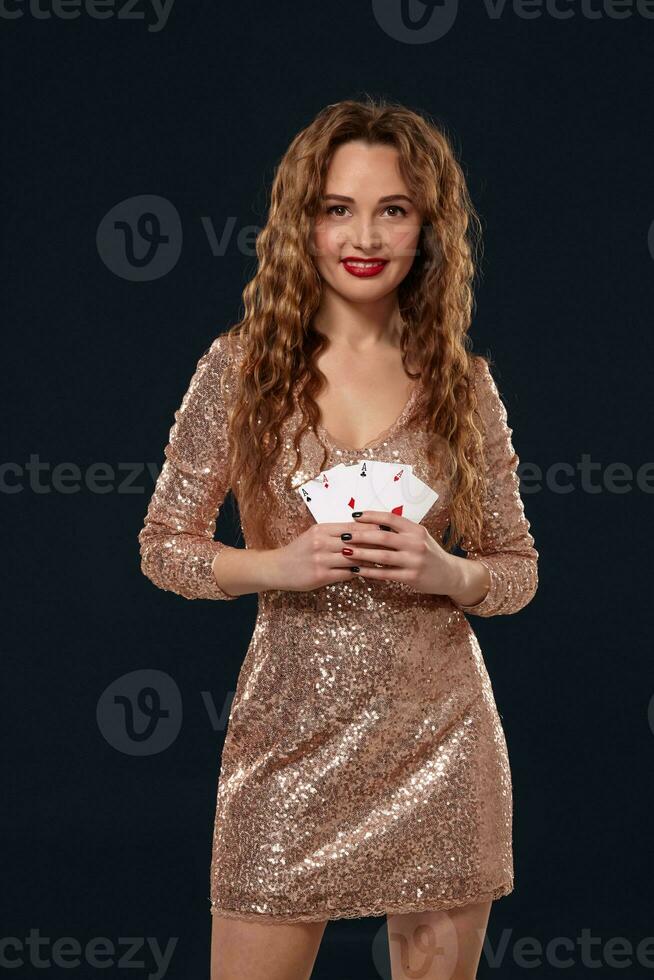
[367,212]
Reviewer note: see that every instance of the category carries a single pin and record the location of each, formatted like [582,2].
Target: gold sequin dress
[364,768]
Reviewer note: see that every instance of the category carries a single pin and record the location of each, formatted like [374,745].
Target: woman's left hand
[407,552]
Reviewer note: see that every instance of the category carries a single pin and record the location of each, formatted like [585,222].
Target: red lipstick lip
[358,258]
[363,273]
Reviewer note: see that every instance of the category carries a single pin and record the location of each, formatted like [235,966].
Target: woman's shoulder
[221,359]
[484,375]
[481,368]
[215,372]
[488,397]
[226,348]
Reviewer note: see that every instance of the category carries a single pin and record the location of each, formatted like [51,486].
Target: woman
[365,769]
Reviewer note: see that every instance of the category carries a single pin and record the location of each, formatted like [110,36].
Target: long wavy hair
[279,346]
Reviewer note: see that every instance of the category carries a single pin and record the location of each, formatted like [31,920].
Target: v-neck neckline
[378,439]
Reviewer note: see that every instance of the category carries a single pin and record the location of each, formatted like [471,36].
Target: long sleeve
[176,541]
[506,547]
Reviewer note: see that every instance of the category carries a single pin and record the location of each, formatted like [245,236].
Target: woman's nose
[366,234]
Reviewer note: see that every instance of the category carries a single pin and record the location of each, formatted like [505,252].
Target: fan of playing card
[370,484]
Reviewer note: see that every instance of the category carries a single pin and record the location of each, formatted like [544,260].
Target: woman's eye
[398,207]
[339,207]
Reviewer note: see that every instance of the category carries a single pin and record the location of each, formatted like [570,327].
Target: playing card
[385,478]
[352,492]
[319,492]
[362,481]
[407,497]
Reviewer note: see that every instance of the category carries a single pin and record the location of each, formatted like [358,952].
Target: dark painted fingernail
[384,527]
[347,551]
[346,536]
[357,513]
[355,568]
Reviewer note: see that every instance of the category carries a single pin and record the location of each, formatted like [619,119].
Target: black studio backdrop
[190,107]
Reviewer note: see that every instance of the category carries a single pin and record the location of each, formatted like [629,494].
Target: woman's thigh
[263,950]
[443,945]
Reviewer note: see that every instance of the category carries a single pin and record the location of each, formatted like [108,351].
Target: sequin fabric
[365,768]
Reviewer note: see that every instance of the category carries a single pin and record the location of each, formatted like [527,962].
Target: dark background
[553,123]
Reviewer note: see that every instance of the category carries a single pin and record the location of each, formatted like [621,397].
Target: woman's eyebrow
[389,197]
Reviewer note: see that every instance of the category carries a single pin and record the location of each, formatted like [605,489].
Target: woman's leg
[443,945]
[266,950]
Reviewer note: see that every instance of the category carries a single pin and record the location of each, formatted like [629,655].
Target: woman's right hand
[314,559]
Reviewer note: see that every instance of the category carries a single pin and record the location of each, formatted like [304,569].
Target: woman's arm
[506,548]
[472,582]
[177,547]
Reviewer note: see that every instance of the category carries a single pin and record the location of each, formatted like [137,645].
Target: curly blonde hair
[279,347]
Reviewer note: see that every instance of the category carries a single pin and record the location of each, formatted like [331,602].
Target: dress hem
[360,912]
